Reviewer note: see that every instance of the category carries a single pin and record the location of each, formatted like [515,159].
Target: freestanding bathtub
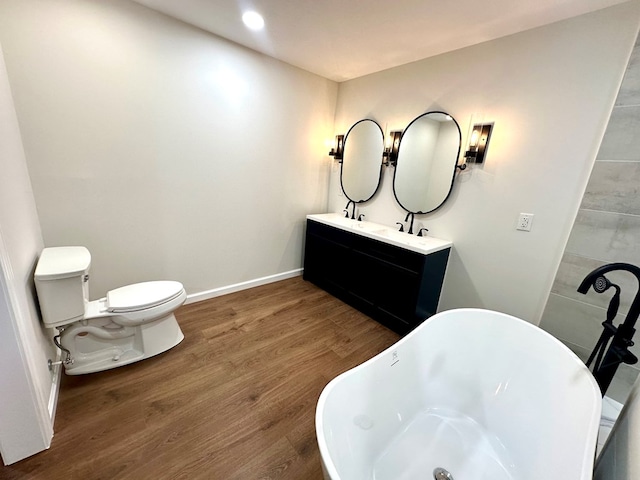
[479,394]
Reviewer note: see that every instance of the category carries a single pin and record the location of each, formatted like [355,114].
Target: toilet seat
[142,296]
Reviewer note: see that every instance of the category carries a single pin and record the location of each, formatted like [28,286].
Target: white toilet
[131,323]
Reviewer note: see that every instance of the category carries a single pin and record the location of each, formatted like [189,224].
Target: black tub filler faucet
[617,339]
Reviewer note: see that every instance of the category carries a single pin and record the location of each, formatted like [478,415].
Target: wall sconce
[478,142]
[390,154]
[337,151]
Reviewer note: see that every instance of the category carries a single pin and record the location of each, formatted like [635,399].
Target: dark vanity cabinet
[397,287]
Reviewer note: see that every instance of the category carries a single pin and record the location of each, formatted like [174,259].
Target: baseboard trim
[237,287]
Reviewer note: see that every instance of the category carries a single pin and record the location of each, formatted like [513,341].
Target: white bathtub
[481,394]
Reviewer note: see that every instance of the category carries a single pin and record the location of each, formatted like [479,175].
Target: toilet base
[92,354]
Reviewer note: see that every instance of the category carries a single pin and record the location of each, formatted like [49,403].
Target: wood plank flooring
[235,400]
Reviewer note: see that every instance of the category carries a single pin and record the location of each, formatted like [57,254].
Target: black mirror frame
[455,160]
[346,137]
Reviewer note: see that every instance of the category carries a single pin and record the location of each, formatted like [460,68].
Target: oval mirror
[426,166]
[362,161]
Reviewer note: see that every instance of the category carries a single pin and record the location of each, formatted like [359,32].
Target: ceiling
[344,39]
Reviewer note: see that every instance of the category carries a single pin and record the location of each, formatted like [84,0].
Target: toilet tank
[62,284]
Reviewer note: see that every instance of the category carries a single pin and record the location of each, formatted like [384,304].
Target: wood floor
[235,400]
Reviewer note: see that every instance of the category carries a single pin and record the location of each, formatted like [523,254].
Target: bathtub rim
[328,466]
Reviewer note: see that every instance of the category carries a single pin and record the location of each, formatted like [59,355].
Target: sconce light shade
[338,150]
[478,143]
[391,148]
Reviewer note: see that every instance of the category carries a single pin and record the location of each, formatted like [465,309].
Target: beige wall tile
[620,141]
[574,268]
[574,322]
[579,326]
[630,89]
[613,187]
[610,237]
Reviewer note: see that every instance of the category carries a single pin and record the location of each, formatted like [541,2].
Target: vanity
[393,277]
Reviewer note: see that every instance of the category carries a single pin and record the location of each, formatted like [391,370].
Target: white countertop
[382,233]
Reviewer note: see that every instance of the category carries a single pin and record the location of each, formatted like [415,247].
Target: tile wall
[606,230]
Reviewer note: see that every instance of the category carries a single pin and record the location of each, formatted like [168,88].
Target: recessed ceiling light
[253,20]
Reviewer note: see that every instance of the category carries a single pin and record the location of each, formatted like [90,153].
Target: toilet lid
[142,295]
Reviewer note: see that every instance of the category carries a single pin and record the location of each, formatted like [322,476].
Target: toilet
[130,324]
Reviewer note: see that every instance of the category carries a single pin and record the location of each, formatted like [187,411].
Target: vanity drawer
[329,233]
[384,252]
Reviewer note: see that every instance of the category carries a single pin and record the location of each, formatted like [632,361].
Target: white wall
[27,388]
[550,91]
[167,151]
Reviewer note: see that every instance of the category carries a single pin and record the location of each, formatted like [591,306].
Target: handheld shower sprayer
[601,285]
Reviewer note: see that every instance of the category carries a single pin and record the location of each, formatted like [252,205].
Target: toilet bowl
[129,324]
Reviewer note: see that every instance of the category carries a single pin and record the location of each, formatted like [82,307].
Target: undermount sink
[383,233]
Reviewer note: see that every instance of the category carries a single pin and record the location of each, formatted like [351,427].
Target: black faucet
[410,232]
[360,217]
[618,352]
[420,231]
[401,226]
[353,212]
